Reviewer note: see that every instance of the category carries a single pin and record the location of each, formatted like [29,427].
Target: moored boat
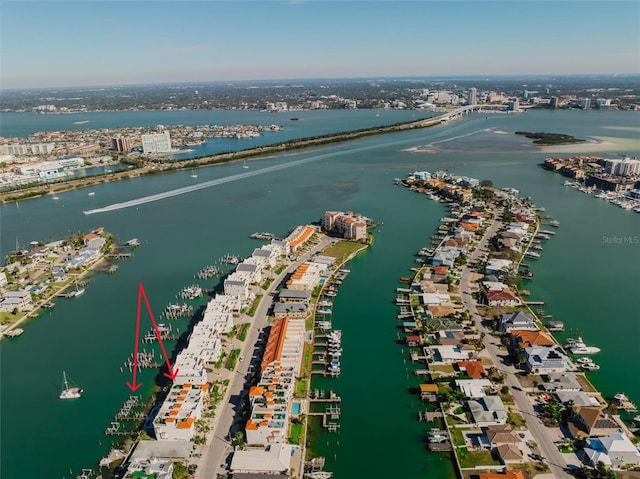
[579,347]
[68,391]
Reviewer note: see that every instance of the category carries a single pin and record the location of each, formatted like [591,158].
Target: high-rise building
[472,96]
[585,103]
[121,144]
[156,143]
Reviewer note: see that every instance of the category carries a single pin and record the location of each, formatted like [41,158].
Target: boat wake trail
[206,184]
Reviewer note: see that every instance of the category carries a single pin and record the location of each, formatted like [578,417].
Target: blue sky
[62,43]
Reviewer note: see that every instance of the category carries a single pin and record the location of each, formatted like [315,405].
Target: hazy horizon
[63,44]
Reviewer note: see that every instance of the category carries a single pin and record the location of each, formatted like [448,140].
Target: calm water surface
[586,282]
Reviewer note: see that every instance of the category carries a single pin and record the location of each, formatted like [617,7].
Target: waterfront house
[591,421]
[496,265]
[500,434]
[306,276]
[267,255]
[517,321]
[494,286]
[509,243]
[428,286]
[413,340]
[560,382]
[179,412]
[293,310]
[11,300]
[236,285]
[253,270]
[272,461]
[473,388]
[294,296]
[429,392]
[577,398]
[526,338]
[473,369]
[299,237]
[487,410]
[614,450]
[149,467]
[546,359]
[448,354]
[505,298]
[435,299]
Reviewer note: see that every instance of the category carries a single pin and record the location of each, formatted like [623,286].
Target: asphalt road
[215,457]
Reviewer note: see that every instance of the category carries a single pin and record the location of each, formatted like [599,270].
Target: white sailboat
[69,392]
[244,164]
[193,174]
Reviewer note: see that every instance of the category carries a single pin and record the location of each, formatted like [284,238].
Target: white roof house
[272,459]
[488,410]
[495,265]
[614,450]
[473,388]
[446,353]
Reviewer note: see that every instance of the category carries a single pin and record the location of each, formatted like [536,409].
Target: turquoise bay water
[587,282]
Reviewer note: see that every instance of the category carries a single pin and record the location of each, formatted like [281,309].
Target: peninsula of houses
[509,400]
[273,297]
[33,277]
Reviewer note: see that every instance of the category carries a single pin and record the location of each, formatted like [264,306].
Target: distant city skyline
[92,43]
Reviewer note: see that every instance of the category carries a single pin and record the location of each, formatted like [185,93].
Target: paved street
[550,452]
[216,454]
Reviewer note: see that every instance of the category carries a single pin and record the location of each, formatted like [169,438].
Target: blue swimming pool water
[295,408]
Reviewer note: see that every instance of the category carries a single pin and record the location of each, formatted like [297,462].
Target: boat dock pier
[165,333]
[119,255]
[174,311]
[190,292]
[439,440]
[430,415]
[332,410]
[145,360]
[208,272]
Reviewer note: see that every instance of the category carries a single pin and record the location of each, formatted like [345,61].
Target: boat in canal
[68,391]
[579,347]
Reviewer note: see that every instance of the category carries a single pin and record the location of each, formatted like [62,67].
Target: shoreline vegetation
[156,166]
[549,139]
[38,273]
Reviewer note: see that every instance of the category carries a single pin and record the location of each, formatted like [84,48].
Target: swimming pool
[295,408]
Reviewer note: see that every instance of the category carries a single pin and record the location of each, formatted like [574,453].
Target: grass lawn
[296,433]
[342,249]
[254,306]
[230,363]
[443,368]
[516,420]
[457,435]
[242,334]
[469,459]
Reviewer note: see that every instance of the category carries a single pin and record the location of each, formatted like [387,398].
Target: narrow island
[547,139]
